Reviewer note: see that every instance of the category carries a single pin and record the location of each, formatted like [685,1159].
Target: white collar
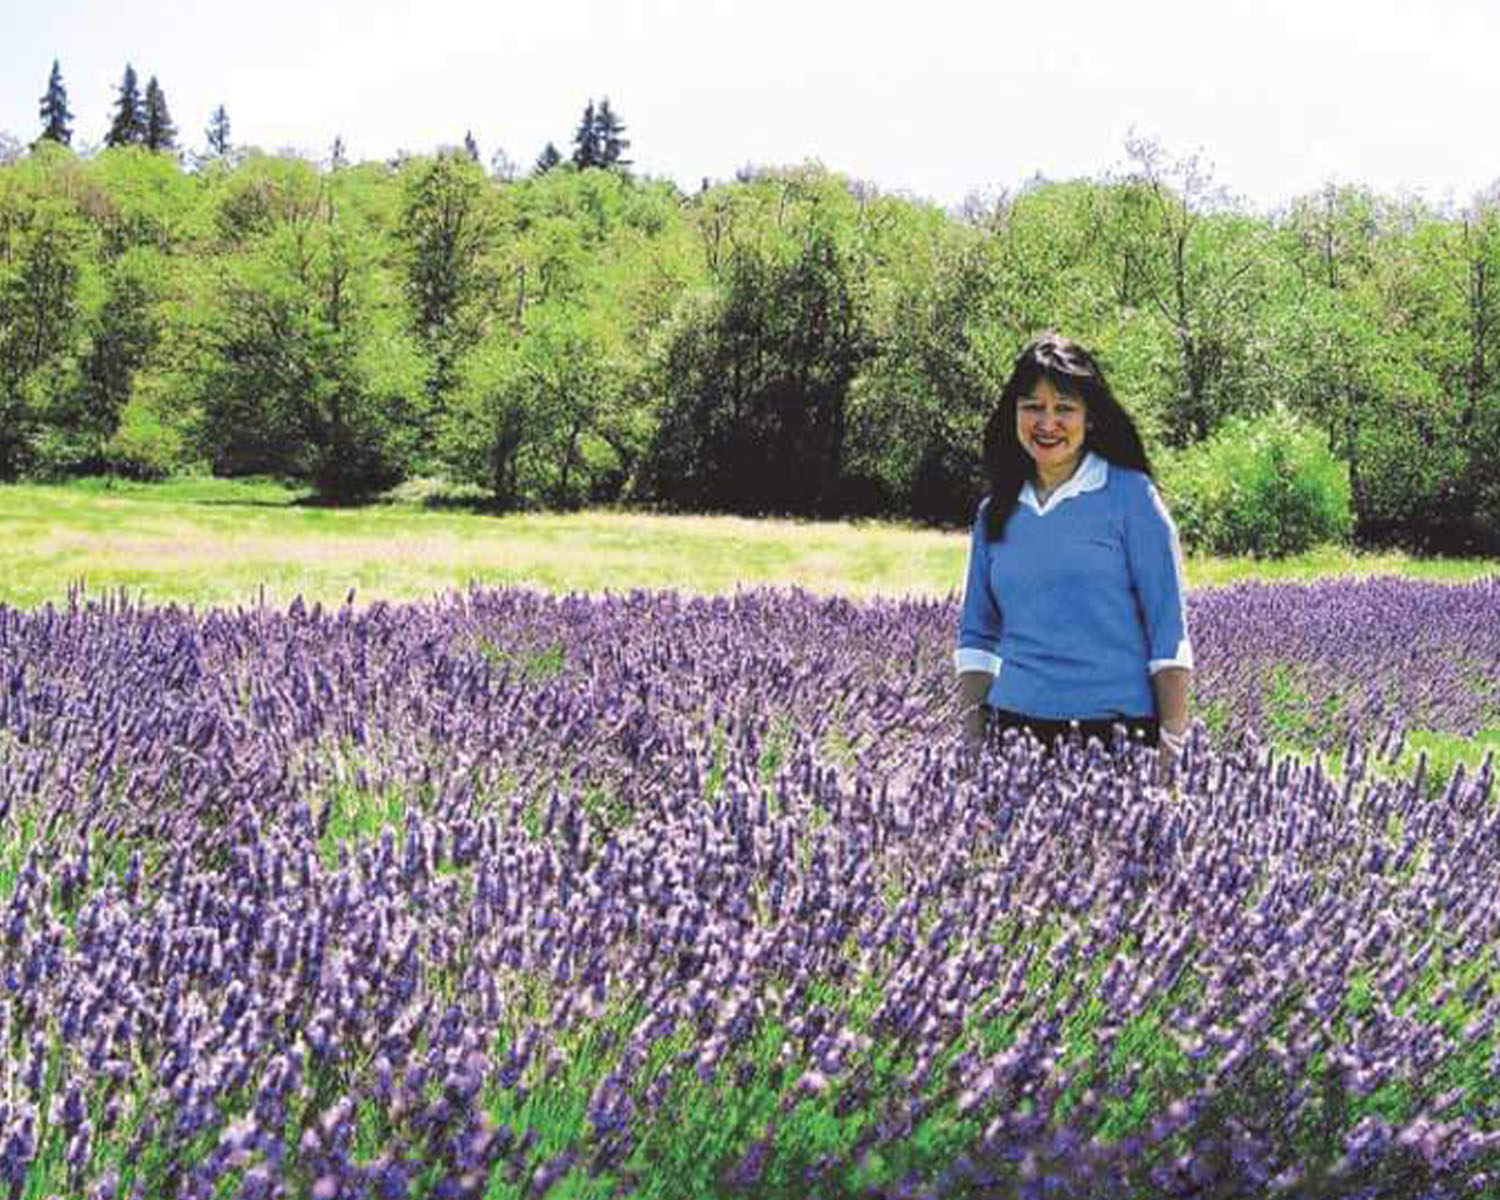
[1092,474]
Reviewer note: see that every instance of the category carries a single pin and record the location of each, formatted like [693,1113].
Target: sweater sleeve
[1155,559]
[980,623]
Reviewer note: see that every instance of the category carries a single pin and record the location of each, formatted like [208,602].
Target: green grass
[226,542]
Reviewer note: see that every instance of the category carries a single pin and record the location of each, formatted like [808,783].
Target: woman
[1074,616]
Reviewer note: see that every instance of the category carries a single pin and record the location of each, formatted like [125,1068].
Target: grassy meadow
[222,542]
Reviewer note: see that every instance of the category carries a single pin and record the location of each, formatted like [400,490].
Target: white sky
[936,99]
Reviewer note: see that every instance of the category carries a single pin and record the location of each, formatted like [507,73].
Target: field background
[221,542]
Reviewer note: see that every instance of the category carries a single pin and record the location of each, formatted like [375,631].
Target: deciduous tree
[301,370]
[446,233]
[755,381]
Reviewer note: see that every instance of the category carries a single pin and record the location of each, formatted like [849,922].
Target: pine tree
[471,147]
[54,110]
[607,130]
[550,157]
[160,133]
[217,133]
[128,127]
[586,140]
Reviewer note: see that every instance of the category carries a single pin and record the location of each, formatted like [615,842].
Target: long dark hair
[1070,369]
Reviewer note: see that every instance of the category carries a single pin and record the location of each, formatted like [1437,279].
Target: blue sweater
[1080,603]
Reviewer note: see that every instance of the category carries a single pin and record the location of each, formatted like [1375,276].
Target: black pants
[1145,730]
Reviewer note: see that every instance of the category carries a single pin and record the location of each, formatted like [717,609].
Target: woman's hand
[1172,686]
[973,687]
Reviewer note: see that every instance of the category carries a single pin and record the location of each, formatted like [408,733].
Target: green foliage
[119,335]
[793,317]
[42,265]
[1265,486]
[302,371]
[917,412]
[446,235]
[134,198]
[146,443]
[754,378]
[537,417]
[262,194]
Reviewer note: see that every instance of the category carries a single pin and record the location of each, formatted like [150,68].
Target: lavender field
[512,895]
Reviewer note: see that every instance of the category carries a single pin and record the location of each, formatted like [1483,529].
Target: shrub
[1266,485]
[148,443]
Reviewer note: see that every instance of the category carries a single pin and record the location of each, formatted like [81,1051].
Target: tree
[755,382]
[446,234]
[161,133]
[598,141]
[119,336]
[502,168]
[301,369]
[609,143]
[1198,262]
[128,128]
[54,110]
[586,149]
[918,410]
[471,147]
[217,133]
[549,157]
[531,414]
[338,154]
[41,266]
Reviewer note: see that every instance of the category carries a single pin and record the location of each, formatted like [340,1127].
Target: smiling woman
[1074,614]
[1050,425]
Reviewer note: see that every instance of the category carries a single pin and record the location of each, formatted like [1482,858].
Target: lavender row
[158,720]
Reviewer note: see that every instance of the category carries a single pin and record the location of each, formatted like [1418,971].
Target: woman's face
[1050,426]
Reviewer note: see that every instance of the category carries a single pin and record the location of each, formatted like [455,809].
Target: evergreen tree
[608,129]
[128,128]
[338,155]
[586,149]
[471,147]
[54,110]
[217,133]
[160,133]
[550,157]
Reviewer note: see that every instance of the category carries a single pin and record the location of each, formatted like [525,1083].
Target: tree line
[791,341]
[143,120]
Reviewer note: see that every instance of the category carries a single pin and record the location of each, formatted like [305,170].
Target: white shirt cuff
[976,660]
[1183,658]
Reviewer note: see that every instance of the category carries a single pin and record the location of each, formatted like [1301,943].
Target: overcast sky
[935,98]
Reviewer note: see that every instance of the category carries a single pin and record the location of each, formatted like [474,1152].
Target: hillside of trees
[791,341]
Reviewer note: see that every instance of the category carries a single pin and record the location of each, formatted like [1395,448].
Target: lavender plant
[504,895]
